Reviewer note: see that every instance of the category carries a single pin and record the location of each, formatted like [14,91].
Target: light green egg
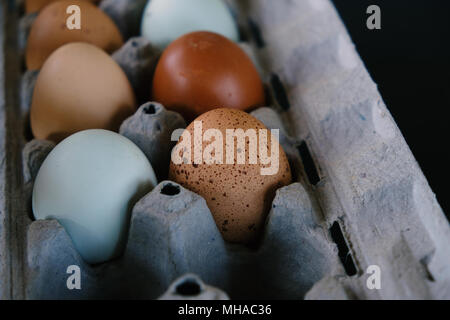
[166,20]
[89,183]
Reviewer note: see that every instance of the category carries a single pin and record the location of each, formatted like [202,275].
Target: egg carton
[359,198]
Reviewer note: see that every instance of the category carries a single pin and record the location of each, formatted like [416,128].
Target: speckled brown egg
[36,5]
[49,31]
[238,195]
[79,87]
[201,71]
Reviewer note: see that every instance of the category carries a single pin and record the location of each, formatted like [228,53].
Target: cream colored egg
[79,87]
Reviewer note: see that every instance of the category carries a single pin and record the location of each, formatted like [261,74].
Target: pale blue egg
[89,183]
[166,20]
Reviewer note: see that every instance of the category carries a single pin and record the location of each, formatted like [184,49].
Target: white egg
[166,20]
[89,183]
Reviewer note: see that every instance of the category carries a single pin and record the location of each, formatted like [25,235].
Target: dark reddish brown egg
[201,71]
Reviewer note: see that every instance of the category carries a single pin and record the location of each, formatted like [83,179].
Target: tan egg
[36,5]
[49,31]
[239,195]
[79,87]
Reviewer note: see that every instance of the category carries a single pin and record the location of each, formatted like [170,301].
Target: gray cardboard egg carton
[360,198]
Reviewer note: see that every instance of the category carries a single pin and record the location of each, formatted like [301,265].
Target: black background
[409,59]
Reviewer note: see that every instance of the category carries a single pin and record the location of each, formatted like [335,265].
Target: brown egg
[238,194]
[79,87]
[201,71]
[49,31]
[36,5]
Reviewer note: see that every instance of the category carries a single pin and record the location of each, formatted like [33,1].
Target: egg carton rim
[307,116]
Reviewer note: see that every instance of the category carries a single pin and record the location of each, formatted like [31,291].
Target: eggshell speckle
[49,31]
[238,195]
[89,183]
[79,87]
[202,71]
[166,20]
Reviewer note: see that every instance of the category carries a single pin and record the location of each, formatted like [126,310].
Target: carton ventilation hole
[29,207]
[243,35]
[425,261]
[150,109]
[429,275]
[21,8]
[343,249]
[268,94]
[170,189]
[28,134]
[279,92]
[308,164]
[188,288]
[256,32]
[23,66]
